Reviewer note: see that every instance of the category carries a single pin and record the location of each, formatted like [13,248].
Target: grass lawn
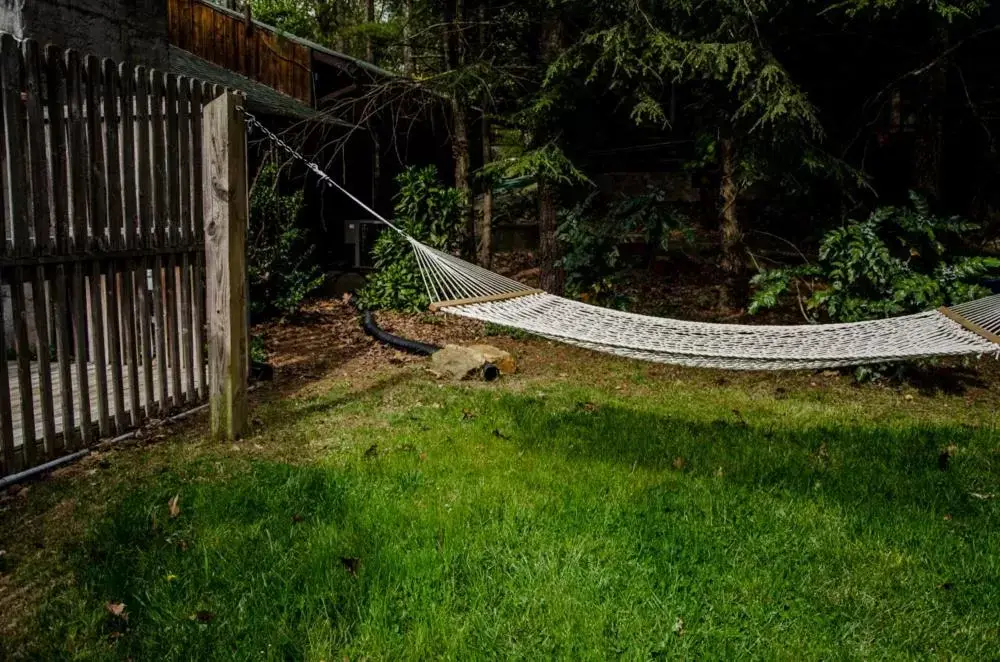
[616,510]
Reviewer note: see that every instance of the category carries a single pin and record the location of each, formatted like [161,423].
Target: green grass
[541,520]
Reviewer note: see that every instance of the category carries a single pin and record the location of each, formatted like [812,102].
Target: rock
[458,362]
[501,359]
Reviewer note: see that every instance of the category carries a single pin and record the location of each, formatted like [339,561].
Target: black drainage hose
[372,329]
[490,372]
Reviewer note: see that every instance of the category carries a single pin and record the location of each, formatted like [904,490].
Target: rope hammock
[460,288]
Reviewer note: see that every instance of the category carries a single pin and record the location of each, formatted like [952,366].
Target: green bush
[591,239]
[431,213]
[279,254]
[899,260]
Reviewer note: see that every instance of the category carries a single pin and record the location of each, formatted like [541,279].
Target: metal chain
[254,123]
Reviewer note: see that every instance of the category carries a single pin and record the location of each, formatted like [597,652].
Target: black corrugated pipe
[372,329]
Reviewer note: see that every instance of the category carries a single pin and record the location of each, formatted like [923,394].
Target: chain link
[254,123]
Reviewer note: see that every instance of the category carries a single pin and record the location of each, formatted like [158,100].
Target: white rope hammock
[463,289]
[460,288]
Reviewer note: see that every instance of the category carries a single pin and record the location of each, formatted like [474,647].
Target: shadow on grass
[246,567]
[870,466]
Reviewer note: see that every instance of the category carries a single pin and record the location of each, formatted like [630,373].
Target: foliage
[428,212]
[592,236]
[491,330]
[279,254]
[258,349]
[899,260]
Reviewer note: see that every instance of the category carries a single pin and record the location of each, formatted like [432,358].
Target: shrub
[591,239]
[279,255]
[899,260]
[431,213]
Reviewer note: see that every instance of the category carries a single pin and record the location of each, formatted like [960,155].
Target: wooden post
[226,213]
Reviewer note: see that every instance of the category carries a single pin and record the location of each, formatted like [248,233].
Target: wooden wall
[220,37]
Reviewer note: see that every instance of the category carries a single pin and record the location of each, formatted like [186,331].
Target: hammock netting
[460,288]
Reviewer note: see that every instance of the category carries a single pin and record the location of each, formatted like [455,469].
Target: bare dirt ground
[326,342]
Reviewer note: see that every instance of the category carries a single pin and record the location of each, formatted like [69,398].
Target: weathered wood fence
[102,263]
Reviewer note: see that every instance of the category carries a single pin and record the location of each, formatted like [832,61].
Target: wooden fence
[103,249]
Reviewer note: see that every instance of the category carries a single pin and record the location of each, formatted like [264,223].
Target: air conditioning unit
[362,234]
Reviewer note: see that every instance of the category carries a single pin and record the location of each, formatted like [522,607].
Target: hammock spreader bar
[969,324]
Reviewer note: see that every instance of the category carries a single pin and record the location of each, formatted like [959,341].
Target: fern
[899,260]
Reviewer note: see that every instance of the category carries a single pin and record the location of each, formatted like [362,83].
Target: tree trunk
[553,279]
[484,225]
[484,232]
[408,37]
[929,140]
[460,154]
[733,262]
[369,43]
[454,53]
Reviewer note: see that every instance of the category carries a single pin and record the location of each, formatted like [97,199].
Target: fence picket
[146,236]
[16,195]
[160,337]
[199,92]
[173,171]
[187,335]
[126,83]
[79,313]
[173,342]
[23,348]
[97,288]
[113,313]
[95,149]
[112,286]
[159,218]
[40,210]
[10,464]
[80,201]
[57,104]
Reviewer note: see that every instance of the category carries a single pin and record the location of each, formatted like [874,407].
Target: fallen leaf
[174,506]
[468,414]
[588,407]
[351,564]
[679,463]
[947,517]
[423,457]
[116,609]
[679,627]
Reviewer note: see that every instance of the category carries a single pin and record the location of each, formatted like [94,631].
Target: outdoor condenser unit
[363,233]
